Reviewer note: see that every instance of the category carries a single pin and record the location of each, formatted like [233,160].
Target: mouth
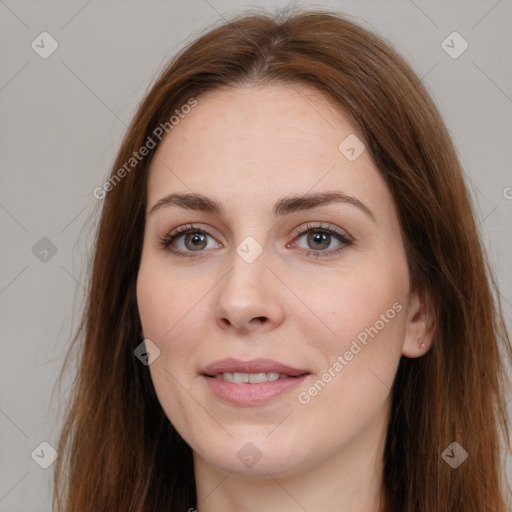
[251,382]
[254,371]
[251,378]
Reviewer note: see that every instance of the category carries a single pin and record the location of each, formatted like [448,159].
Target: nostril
[260,320]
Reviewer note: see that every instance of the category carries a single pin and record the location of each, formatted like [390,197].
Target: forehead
[262,140]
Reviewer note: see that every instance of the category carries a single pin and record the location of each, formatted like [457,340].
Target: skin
[285,305]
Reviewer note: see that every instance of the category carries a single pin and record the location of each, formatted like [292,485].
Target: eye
[321,240]
[185,240]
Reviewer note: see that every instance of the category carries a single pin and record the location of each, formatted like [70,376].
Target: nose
[248,297]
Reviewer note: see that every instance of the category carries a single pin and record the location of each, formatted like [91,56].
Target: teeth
[240,378]
[255,378]
[251,378]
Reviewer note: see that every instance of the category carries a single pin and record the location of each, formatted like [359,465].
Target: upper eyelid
[190,227]
[183,228]
[310,226]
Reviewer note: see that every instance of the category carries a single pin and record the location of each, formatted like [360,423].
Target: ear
[420,324]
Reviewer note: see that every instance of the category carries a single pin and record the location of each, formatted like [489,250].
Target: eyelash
[169,238]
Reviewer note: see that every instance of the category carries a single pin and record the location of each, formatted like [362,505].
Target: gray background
[61,123]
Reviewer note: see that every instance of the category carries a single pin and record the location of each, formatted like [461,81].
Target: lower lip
[251,394]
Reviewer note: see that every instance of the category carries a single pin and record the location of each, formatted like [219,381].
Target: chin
[257,455]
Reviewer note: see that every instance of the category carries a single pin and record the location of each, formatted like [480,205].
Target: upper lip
[231,365]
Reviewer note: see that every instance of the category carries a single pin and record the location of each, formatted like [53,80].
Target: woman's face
[272,254]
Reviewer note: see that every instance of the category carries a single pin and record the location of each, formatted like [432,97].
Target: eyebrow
[284,206]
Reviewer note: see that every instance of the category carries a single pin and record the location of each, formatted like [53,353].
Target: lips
[249,383]
[251,378]
[253,367]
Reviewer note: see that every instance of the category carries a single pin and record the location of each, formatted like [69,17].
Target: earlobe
[420,325]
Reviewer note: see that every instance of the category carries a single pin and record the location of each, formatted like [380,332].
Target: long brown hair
[118,450]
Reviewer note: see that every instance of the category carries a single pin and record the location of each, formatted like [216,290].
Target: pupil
[319,239]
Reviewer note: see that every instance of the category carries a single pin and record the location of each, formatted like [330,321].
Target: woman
[289,304]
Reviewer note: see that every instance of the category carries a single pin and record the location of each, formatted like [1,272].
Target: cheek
[160,312]
[367,316]
[362,306]
[169,310]
[164,300]
[174,310]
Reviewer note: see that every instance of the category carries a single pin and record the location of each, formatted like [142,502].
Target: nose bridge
[248,292]
[247,279]
[248,261]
